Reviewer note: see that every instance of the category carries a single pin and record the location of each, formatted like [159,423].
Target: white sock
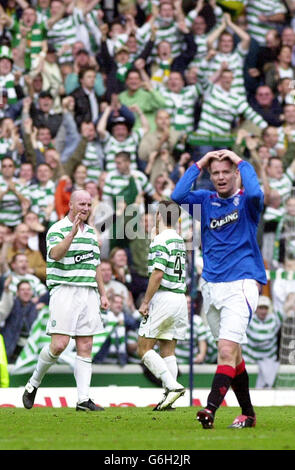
[156,364]
[82,373]
[45,361]
[171,363]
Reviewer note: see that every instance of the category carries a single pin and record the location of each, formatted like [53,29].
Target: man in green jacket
[148,99]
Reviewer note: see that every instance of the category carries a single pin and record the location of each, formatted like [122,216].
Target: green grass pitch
[142,429]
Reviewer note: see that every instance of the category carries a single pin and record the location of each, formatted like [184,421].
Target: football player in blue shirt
[233,268]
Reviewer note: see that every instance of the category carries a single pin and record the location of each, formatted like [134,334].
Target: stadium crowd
[119,98]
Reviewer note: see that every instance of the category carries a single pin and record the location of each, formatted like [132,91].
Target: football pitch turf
[142,429]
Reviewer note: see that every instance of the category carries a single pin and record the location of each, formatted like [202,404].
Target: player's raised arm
[249,179]
[182,193]
[205,160]
[58,251]
[231,155]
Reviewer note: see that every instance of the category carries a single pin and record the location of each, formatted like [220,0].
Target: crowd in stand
[119,98]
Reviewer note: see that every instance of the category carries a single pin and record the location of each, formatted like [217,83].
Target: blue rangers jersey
[228,226]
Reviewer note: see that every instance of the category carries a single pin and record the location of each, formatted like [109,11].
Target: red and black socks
[240,386]
[222,380]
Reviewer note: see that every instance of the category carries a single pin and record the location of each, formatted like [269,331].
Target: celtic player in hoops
[164,306]
[76,295]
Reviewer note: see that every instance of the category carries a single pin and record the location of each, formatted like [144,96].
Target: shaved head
[80,204]
[78,194]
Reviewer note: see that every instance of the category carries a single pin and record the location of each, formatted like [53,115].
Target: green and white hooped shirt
[167,253]
[254,8]
[10,205]
[78,267]
[65,31]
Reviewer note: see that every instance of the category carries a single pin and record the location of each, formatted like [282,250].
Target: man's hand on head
[204,161]
[231,155]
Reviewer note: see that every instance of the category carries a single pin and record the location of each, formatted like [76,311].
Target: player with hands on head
[233,266]
[77,294]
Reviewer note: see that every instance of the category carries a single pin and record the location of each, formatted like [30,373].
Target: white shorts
[74,311]
[168,317]
[229,307]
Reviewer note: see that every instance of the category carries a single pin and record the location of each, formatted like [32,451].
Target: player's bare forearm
[60,250]
[100,284]
[152,288]
[104,302]
[202,351]
[153,285]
